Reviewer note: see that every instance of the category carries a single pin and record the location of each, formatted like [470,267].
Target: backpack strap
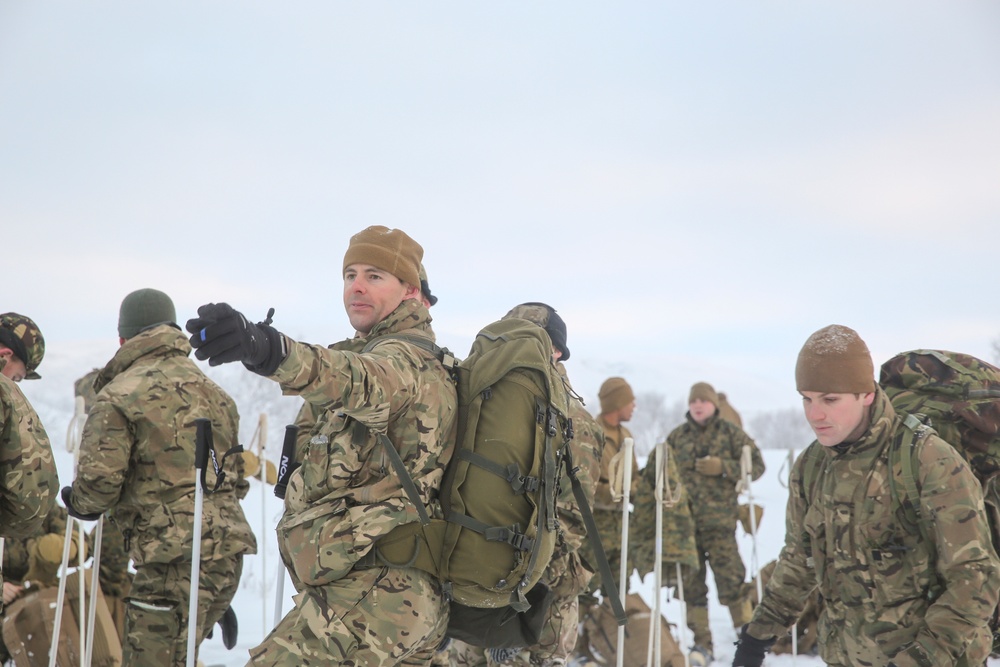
[594,538]
[447,360]
[906,451]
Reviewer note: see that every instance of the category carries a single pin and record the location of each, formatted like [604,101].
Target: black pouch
[502,627]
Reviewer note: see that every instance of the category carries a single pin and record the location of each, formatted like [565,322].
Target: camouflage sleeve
[733,467]
[793,579]
[306,420]
[105,449]
[966,562]
[27,468]
[368,387]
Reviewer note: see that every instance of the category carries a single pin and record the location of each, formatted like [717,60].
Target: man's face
[370,294]
[14,369]
[701,410]
[625,412]
[835,417]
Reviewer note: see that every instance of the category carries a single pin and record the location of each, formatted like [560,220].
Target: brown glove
[710,466]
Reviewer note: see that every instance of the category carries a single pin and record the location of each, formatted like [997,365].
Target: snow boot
[697,619]
[741,612]
[700,657]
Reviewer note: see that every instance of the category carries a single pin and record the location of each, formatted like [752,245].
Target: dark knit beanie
[387,249]
[705,392]
[143,309]
[425,287]
[835,360]
[547,318]
[615,394]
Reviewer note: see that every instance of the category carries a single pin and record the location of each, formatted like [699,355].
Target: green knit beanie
[143,309]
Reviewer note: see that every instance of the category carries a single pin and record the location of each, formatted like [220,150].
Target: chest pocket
[898,558]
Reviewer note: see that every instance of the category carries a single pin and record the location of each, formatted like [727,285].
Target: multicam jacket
[713,500]
[137,453]
[345,495]
[28,479]
[913,595]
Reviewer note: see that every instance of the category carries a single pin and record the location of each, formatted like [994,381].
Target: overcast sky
[695,187]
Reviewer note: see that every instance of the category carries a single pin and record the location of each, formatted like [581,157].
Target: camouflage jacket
[28,479]
[614,436]
[889,593]
[586,448]
[713,500]
[137,453]
[345,495]
[309,413]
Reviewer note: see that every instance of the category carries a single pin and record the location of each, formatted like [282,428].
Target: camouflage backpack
[958,394]
[499,491]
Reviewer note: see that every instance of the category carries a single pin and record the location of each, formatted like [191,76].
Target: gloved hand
[502,655]
[270,473]
[230,628]
[67,498]
[222,335]
[49,548]
[750,650]
[710,466]
[251,464]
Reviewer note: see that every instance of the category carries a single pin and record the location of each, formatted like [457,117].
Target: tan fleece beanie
[705,392]
[615,394]
[835,360]
[387,249]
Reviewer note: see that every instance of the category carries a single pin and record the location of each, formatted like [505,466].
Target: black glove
[750,650]
[67,498]
[230,628]
[222,335]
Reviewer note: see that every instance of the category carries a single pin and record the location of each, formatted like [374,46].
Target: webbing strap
[594,538]
[404,477]
[509,535]
[510,473]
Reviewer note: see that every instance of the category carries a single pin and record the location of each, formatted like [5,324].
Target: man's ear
[869,398]
[411,292]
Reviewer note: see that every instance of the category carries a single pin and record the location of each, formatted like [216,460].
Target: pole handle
[202,442]
[287,463]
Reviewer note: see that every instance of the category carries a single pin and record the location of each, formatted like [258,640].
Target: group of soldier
[891,597]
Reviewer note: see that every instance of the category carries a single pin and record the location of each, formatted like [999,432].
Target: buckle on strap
[511,536]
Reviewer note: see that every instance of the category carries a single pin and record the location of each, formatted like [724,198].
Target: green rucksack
[499,490]
[958,394]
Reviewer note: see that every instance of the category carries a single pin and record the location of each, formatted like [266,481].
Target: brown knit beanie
[387,249]
[705,392]
[615,394]
[835,360]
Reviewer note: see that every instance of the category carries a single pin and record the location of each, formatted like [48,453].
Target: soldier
[708,450]
[894,594]
[137,463]
[28,478]
[345,494]
[566,575]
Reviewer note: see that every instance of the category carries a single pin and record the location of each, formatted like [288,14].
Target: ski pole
[746,465]
[95,584]
[653,650]
[626,489]
[203,442]
[261,437]
[61,595]
[286,466]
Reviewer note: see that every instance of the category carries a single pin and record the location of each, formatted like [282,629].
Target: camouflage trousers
[378,616]
[717,547]
[609,528]
[156,615]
